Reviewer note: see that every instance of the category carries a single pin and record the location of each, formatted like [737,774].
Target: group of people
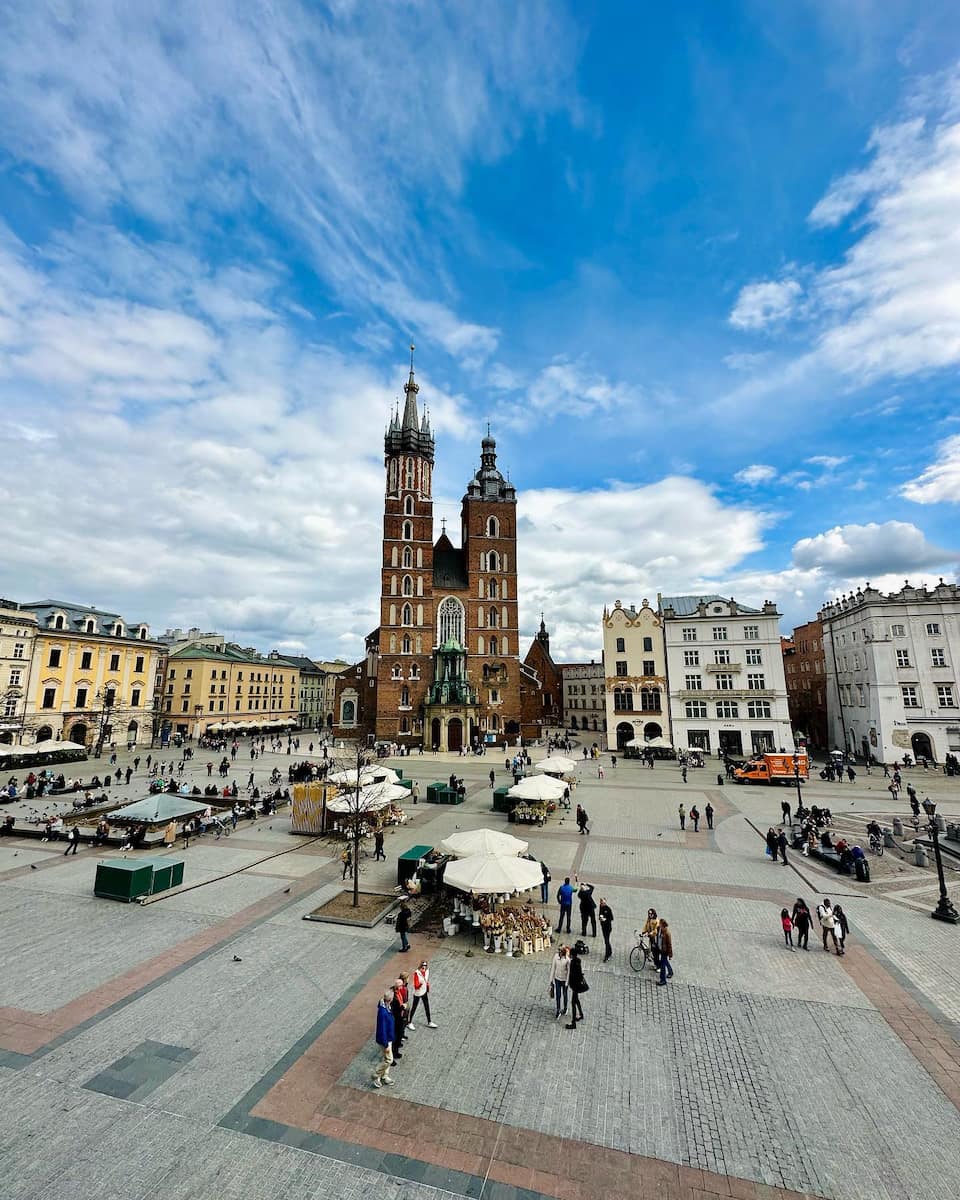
[568,984]
[694,815]
[830,917]
[395,1012]
[590,911]
[660,940]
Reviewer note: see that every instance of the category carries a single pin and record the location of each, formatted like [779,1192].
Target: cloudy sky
[697,264]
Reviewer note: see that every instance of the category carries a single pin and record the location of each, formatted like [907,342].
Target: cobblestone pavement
[137,1055]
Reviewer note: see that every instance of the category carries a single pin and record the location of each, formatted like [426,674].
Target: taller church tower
[406,589]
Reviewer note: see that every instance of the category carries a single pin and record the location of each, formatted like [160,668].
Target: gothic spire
[411,387]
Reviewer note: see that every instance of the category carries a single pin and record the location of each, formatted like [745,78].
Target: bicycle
[642,952]
[876,844]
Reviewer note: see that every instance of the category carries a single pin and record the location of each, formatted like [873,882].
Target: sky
[698,265]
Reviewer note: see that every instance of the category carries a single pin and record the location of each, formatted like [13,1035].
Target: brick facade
[804,669]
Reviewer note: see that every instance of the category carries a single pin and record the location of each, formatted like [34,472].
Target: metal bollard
[941,823]
[897,827]
[888,838]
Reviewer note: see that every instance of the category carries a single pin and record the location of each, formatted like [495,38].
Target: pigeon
[33,866]
[236,959]
[286,891]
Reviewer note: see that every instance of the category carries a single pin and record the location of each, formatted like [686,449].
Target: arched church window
[450,621]
[503,645]
[408,506]
[408,531]
[503,591]
[406,617]
[419,585]
[407,585]
[394,557]
[480,649]
[503,617]
[419,614]
[393,585]
[405,696]
[483,561]
[493,646]
[493,561]
[419,556]
[492,618]
[409,472]
[493,527]
[407,557]
[395,671]
[405,645]
[492,589]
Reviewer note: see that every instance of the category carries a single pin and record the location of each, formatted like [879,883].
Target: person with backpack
[828,924]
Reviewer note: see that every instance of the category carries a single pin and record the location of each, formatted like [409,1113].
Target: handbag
[552,990]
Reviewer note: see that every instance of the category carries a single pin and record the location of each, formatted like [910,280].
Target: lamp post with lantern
[944,910]
[796,776]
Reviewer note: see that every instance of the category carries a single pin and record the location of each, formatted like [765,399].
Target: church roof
[449,565]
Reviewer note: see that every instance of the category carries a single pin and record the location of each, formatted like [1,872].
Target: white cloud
[760,305]
[829,462]
[865,550]
[756,473]
[567,388]
[940,482]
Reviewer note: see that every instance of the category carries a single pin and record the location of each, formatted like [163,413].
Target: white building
[18,631]
[892,673]
[635,661]
[583,697]
[727,689]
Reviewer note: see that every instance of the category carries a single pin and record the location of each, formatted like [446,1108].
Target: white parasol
[538,787]
[483,841]
[371,799]
[489,874]
[557,765]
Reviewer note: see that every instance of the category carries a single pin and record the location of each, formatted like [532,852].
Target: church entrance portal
[454,733]
[435,733]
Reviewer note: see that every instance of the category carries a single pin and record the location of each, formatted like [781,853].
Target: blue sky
[698,266]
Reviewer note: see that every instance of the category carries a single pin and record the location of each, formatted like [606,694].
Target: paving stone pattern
[700,866]
[727,1082]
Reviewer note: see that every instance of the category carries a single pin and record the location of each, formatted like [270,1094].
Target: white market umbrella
[660,743]
[218,728]
[489,874]
[483,841]
[370,800]
[49,745]
[538,787]
[557,765]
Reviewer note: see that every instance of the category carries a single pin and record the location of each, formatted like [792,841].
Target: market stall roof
[557,765]
[368,775]
[371,799]
[538,787]
[157,810]
[483,841]
[490,874]
[50,746]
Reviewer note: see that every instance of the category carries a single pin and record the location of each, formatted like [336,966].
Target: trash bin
[920,855]
[862,868]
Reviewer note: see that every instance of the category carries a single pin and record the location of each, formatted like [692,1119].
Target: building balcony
[722,668]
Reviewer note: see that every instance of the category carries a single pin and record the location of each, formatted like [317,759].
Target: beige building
[206,689]
[635,660]
[331,672]
[584,697]
[18,630]
[93,679]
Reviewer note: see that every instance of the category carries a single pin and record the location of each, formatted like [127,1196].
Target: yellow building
[18,630]
[207,688]
[93,677]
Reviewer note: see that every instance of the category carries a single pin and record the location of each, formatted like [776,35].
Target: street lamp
[796,776]
[944,910]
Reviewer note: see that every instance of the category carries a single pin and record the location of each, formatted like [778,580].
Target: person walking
[851,775]
[695,818]
[128,773]
[786,924]
[682,813]
[578,985]
[73,840]
[828,924]
[841,929]
[650,929]
[421,995]
[782,847]
[771,840]
[665,946]
[582,819]
[386,1031]
[347,859]
[786,817]
[398,1010]
[588,909]
[403,926]
[378,851]
[708,813]
[683,772]
[605,913]
[565,900]
[802,922]
[559,980]
[493,777]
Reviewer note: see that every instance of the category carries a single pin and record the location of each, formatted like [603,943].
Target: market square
[217,1028]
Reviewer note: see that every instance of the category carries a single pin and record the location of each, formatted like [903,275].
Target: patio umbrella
[370,800]
[483,841]
[489,874]
[557,765]
[538,787]
[660,743]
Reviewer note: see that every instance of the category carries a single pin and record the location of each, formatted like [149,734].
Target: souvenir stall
[375,806]
[536,798]
[492,885]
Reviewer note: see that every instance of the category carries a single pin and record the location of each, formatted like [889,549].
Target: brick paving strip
[300,1103]
[24,1033]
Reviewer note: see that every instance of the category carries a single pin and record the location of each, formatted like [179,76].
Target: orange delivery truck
[773,768]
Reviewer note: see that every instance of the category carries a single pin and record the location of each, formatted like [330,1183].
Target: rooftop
[687,606]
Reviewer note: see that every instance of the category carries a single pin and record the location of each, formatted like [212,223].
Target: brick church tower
[448,673]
